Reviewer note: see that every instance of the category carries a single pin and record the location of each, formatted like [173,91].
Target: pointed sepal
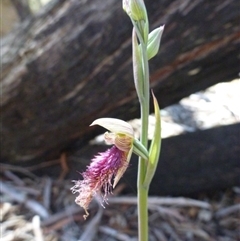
[155,147]
[115,126]
[137,66]
[153,44]
[121,170]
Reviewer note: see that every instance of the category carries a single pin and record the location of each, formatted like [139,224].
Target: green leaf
[137,66]
[153,44]
[155,147]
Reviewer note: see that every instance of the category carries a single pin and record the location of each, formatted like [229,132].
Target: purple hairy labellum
[99,176]
[107,167]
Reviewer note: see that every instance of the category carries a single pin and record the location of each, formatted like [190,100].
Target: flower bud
[135,9]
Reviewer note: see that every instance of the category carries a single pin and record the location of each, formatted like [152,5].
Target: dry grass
[43,209]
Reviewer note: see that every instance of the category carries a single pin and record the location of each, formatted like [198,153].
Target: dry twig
[92,227]
[47,192]
[36,223]
[65,168]
[228,210]
[33,205]
[115,234]
[179,202]
[25,171]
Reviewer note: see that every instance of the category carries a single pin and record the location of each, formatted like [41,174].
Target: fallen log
[72,64]
[196,162]
[191,163]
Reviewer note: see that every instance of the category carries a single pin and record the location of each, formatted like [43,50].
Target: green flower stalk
[145,47]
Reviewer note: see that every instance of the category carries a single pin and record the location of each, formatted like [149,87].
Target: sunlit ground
[215,106]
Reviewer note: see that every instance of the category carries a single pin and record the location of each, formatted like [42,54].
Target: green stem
[142,208]
[143,190]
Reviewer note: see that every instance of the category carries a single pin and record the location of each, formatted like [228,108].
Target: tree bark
[22,9]
[72,64]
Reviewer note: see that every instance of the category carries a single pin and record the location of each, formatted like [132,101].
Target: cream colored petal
[109,138]
[129,155]
[123,142]
[123,169]
[115,126]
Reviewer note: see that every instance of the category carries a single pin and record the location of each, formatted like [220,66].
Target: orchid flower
[106,168]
